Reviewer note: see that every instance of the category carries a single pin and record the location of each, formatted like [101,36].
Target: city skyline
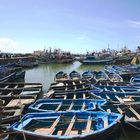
[71,25]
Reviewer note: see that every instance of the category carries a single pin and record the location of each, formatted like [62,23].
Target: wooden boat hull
[124,60]
[122,98]
[43,105]
[12,107]
[20,75]
[71,95]
[88,75]
[10,77]
[11,89]
[103,132]
[74,75]
[61,76]
[100,61]
[131,111]
[109,134]
[135,80]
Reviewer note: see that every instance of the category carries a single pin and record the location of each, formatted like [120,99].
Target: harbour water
[45,74]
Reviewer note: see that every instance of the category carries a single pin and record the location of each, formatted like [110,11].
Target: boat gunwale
[96,132]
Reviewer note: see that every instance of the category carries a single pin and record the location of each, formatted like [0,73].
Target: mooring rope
[133,126]
[123,131]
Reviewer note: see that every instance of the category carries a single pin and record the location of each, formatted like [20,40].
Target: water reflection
[90,67]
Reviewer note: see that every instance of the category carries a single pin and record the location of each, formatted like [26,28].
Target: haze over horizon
[71,25]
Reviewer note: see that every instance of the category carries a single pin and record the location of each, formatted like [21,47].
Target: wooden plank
[99,96]
[114,89]
[65,97]
[83,106]
[59,96]
[122,90]
[71,106]
[135,112]
[108,110]
[17,102]
[42,130]
[74,97]
[33,86]
[59,106]
[75,87]
[119,99]
[49,93]
[70,125]
[73,83]
[105,89]
[10,93]
[100,84]
[119,110]
[88,127]
[83,86]
[73,132]
[59,133]
[108,97]
[105,119]
[16,86]
[17,112]
[52,128]
[66,89]
[6,87]
[84,96]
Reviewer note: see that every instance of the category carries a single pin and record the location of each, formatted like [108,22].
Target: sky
[71,25]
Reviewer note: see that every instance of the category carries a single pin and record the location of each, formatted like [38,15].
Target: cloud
[9,45]
[134,23]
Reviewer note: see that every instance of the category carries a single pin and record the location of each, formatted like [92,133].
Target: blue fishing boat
[124,71]
[65,105]
[100,76]
[88,75]
[9,65]
[124,59]
[26,64]
[9,68]
[114,77]
[74,75]
[4,70]
[20,75]
[19,86]
[135,80]
[83,94]
[67,125]
[68,83]
[6,78]
[61,76]
[94,60]
[110,83]
[123,88]
[20,89]
[131,111]
[119,97]
[71,88]
[13,106]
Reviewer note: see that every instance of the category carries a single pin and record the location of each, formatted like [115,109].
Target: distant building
[125,50]
[38,53]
